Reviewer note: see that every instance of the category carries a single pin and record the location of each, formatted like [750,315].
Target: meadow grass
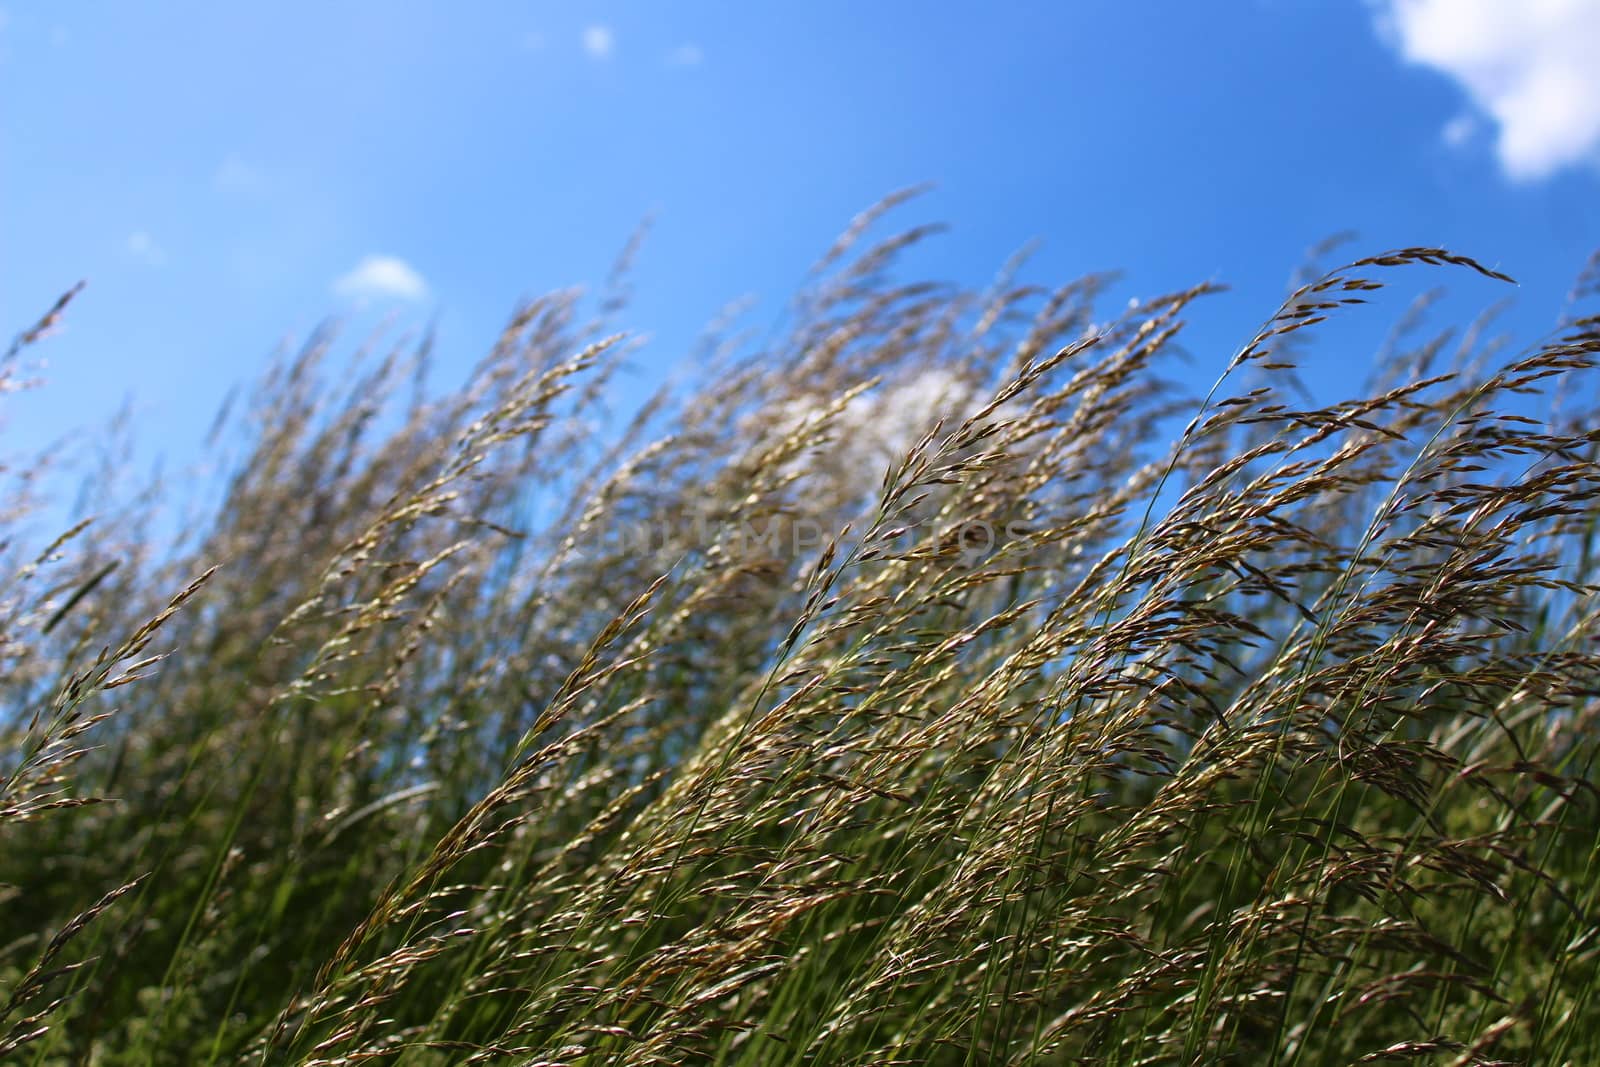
[1098,723]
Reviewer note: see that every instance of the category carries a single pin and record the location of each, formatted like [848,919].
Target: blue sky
[227,176]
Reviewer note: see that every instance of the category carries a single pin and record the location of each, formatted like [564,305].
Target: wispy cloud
[143,247]
[1459,130]
[235,175]
[381,278]
[1529,66]
[599,42]
[533,41]
[686,55]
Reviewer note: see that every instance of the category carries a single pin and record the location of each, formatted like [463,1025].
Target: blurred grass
[935,684]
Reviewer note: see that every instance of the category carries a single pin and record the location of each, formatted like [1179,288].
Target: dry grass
[1083,732]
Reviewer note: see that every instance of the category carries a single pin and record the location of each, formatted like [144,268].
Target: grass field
[937,683]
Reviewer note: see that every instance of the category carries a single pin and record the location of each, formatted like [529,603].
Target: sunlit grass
[1101,723]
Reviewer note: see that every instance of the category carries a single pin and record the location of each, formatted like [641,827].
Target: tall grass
[936,684]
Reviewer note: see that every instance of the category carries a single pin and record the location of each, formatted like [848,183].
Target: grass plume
[936,683]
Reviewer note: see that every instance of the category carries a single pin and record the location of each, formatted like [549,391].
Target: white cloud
[1459,130]
[1529,65]
[235,175]
[143,247]
[533,41]
[599,42]
[382,278]
[877,428]
[686,55]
